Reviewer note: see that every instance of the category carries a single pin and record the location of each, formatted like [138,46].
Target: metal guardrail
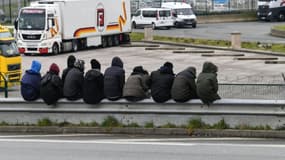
[234,111]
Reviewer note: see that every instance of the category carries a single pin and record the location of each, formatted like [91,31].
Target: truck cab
[182,12]
[37,29]
[271,9]
[10,59]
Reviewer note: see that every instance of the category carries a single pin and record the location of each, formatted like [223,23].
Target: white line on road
[126,142]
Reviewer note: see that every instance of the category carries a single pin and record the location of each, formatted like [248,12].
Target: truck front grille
[13,67]
[31,37]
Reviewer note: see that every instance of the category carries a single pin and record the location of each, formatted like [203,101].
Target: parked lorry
[271,10]
[54,26]
[182,13]
[10,59]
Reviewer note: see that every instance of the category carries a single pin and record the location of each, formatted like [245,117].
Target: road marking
[126,142]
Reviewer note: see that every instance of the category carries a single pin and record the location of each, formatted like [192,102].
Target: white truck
[55,26]
[271,9]
[182,12]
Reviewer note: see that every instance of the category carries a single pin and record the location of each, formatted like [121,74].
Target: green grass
[275,47]
[279,27]
[149,125]
[111,122]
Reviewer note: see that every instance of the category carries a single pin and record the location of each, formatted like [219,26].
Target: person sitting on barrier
[70,64]
[161,83]
[30,83]
[51,85]
[114,80]
[184,86]
[137,87]
[207,83]
[73,85]
[93,86]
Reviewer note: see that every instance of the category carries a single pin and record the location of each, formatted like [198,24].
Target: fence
[202,6]
[9,9]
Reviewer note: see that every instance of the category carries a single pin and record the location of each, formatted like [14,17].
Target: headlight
[179,19]
[269,14]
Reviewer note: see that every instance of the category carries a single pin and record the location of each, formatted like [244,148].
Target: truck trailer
[271,10]
[55,26]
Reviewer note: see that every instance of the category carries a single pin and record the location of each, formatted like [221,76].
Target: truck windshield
[183,11]
[32,19]
[5,35]
[8,49]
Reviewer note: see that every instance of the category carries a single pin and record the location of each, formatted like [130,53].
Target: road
[128,147]
[251,31]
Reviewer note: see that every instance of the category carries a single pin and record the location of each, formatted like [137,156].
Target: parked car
[183,13]
[156,17]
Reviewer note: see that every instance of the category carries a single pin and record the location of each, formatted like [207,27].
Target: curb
[145,131]
[277,33]
[214,47]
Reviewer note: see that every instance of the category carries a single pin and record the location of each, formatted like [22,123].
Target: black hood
[209,67]
[166,70]
[117,62]
[70,61]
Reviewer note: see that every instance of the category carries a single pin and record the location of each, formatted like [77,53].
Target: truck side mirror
[16,24]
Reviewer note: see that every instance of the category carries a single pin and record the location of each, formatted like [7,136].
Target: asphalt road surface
[108,147]
[251,31]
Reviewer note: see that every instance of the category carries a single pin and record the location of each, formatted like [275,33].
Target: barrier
[234,111]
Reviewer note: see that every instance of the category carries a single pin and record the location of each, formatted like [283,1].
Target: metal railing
[5,84]
[252,91]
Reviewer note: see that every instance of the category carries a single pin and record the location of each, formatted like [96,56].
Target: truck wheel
[116,40]
[194,25]
[110,41]
[281,17]
[55,49]
[74,46]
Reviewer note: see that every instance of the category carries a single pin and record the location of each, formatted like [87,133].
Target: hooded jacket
[137,86]
[72,88]
[93,87]
[207,83]
[70,65]
[161,83]
[184,86]
[51,88]
[30,83]
[114,80]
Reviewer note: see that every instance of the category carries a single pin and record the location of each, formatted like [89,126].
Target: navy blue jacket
[30,85]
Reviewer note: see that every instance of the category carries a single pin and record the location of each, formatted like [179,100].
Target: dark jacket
[30,83]
[51,88]
[72,88]
[70,65]
[93,87]
[184,86]
[161,83]
[114,80]
[207,83]
[136,87]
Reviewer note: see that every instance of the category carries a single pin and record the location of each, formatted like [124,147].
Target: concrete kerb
[144,131]
[214,47]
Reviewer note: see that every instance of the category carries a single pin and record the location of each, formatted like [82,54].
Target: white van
[182,12]
[157,17]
